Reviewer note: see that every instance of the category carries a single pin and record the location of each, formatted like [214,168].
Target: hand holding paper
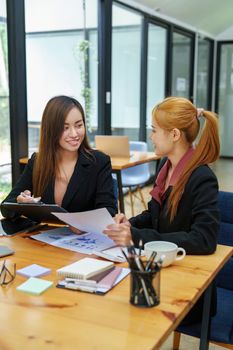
[94,221]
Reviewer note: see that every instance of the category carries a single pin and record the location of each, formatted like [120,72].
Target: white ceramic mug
[168,249]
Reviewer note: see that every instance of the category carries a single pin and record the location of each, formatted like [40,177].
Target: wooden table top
[135,159]
[62,319]
[122,163]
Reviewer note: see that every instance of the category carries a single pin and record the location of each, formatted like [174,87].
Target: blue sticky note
[34,286]
[33,270]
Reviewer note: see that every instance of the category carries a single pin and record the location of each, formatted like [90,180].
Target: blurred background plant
[81,53]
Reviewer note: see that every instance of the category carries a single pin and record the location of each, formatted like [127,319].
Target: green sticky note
[34,286]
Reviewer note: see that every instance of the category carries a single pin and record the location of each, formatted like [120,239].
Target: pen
[35,227]
[126,257]
[144,287]
[81,288]
[132,247]
[34,200]
[117,258]
[151,260]
[140,246]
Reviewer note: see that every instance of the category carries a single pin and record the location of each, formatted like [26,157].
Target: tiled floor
[224,172]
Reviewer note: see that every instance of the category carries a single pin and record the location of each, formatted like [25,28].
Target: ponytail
[206,151]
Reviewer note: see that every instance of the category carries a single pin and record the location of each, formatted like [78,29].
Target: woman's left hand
[119,233]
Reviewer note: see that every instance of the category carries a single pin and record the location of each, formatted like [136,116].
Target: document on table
[94,221]
[86,243]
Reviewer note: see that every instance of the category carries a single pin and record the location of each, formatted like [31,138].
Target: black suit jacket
[196,224]
[90,187]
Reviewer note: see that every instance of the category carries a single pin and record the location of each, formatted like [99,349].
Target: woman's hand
[26,197]
[121,219]
[119,233]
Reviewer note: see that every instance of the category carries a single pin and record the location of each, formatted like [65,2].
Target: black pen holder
[145,288]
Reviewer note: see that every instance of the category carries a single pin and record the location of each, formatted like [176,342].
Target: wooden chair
[221,330]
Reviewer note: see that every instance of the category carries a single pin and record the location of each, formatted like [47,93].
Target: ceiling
[213,17]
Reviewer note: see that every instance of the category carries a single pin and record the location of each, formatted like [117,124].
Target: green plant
[5,188]
[81,52]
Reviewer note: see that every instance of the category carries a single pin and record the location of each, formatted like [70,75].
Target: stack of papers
[91,286]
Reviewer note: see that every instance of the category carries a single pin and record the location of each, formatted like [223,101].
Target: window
[55,57]
[126,54]
[203,73]
[181,65]
[225,98]
[5,148]
[156,69]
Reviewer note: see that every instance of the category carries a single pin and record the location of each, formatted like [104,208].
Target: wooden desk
[62,319]
[118,164]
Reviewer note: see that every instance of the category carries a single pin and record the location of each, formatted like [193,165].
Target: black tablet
[38,212]
[10,227]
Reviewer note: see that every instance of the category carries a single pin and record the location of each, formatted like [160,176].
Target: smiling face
[162,140]
[74,131]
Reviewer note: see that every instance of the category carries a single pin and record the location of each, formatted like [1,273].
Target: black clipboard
[38,212]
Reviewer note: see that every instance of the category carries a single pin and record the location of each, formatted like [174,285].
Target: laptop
[114,146]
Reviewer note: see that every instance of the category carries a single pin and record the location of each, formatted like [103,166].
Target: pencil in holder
[145,287]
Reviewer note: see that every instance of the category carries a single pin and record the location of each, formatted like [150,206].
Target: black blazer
[196,224]
[90,186]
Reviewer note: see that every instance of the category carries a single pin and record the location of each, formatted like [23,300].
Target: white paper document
[94,221]
[86,243]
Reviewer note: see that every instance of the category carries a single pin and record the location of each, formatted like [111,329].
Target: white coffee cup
[168,249]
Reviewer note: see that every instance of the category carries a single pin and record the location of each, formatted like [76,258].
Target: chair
[221,330]
[136,176]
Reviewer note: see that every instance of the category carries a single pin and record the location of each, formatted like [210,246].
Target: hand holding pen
[121,219]
[119,233]
[26,197]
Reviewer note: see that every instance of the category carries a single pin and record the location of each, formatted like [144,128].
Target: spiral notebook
[85,268]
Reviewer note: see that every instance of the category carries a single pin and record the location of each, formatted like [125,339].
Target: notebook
[33,270]
[109,280]
[85,268]
[34,286]
[102,274]
[114,146]
[117,275]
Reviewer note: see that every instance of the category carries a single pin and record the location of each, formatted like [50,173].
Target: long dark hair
[52,127]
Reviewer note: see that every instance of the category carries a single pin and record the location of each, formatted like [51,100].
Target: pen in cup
[140,247]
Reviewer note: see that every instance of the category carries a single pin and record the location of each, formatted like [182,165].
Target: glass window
[5,145]
[181,65]
[126,52]
[61,49]
[225,101]
[204,50]
[156,69]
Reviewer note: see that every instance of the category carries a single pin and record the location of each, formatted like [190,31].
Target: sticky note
[34,286]
[33,270]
